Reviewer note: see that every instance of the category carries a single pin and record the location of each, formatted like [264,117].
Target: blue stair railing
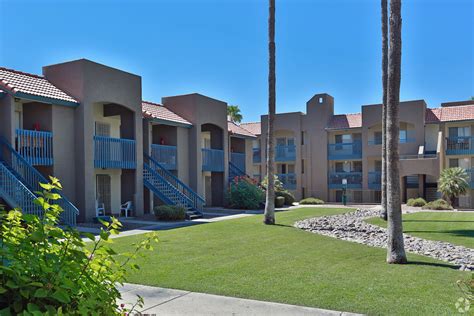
[192,199]
[30,178]
[235,171]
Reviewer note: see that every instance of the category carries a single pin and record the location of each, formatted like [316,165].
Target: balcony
[342,151]
[285,153]
[375,180]
[257,155]
[212,160]
[354,180]
[460,145]
[36,147]
[114,153]
[378,141]
[238,159]
[288,180]
[165,155]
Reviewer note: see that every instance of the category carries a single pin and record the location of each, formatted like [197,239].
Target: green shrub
[277,183]
[418,202]
[170,212]
[289,197]
[244,194]
[279,201]
[438,204]
[311,201]
[49,270]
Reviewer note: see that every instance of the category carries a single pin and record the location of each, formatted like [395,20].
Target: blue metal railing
[257,155]
[238,159]
[288,180]
[193,199]
[212,160]
[27,175]
[378,141]
[460,145]
[345,150]
[354,180]
[35,146]
[165,155]
[285,153]
[117,153]
[375,180]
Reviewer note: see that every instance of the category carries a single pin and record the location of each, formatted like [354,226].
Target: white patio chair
[99,209]
[126,208]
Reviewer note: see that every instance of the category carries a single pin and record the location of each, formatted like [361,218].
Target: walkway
[163,301]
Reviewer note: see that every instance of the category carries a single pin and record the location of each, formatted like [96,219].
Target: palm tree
[453,182]
[269,215]
[395,247]
[384,107]
[233,112]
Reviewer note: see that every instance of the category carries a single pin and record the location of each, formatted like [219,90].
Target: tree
[384,108]
[234,114]
[453,182]
[395,246]
[269,215]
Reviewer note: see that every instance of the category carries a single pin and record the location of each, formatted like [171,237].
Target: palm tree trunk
[384,107]
[269,216]
[395,247]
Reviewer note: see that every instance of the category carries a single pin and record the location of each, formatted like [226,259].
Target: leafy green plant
[244,194]
[278,184]
[438,204]
[466,301]
[418,202]
[289,197]
[170,212]
[311,201]
[49,270]
[453,182]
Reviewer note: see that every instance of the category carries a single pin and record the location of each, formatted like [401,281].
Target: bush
[438,204]
[170,212]
[279,201]
[245,195]
[418,202]
[289,197]
[48,270]
[311,201]
[277,184]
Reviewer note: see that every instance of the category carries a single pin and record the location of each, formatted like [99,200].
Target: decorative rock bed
[352,227]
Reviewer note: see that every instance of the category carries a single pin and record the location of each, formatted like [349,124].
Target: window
[103,191]
[302,138]
[291,168]
[344,138]
[357,166]
[102,129]
[302,165]
[377,138]
[453,163]
[403,136]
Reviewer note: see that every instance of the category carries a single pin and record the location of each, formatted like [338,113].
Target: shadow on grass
[434,221]
[433,264]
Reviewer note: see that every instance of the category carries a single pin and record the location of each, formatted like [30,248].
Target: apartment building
[316,150]
[86,124]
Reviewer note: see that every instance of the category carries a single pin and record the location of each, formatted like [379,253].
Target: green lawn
[453,227]
[245,258]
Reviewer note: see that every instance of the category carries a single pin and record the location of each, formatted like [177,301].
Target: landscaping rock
[352,227]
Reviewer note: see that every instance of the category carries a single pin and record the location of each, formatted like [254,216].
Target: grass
[279,263]
[453,227]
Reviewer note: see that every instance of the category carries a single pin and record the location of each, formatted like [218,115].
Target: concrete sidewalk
[162,301]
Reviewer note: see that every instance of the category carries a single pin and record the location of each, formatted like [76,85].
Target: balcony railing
[238,159]
[375,180]
[460,145]
[257,155]
[165,155]
[115,153]
[288,180]
[212,160]
[285,153]
[354,180]
[378,141]
[345,151]
[35,146]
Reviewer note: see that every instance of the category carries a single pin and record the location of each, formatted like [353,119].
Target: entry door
[104,191]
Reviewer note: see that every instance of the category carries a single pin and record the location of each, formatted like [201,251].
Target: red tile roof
[253,127]
[450,114]
[158,111]
[20,82]
[344,121]
[238,130]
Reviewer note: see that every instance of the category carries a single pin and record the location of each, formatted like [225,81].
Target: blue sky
[219,47]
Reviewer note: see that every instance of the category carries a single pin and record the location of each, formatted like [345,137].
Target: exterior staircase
[18,182]
[170,189]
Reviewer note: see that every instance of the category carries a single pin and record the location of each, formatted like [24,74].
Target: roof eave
[171,123]
[42,99]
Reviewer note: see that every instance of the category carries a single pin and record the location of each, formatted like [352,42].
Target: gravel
[352,227]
